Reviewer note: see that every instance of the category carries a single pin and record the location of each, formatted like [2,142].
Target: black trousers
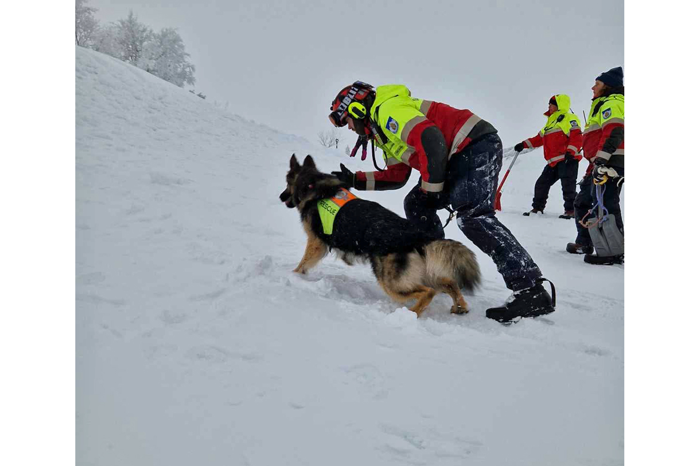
[472,179]
[564,171]
[587,198]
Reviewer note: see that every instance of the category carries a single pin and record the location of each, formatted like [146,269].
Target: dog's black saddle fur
[366,228]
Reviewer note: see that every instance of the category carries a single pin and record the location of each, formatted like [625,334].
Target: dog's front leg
[315,251]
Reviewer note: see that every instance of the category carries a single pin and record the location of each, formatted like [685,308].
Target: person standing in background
[604,148]
[561,138]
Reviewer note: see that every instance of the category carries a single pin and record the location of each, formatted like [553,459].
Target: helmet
[354,101]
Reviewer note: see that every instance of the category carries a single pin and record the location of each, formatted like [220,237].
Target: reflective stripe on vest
[370,180]
[605,155]
[432,187]
[463,133]
[614,120]
[591,127]
[406,156]
[556,159]
[408,127]
[553,130]
[329,208]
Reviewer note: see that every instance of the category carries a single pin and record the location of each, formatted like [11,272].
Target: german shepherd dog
[408,263]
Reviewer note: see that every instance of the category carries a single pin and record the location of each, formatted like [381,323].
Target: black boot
[607,260]
[531,302]
[568,214]
[575,248]
[533,211]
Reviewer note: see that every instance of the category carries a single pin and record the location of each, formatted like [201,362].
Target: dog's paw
[300,271]
[459,309]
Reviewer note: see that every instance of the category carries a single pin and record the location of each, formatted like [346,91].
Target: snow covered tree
[164,56]
[161,54]
[86,25]
[105,41]
[329,138]
[131,38]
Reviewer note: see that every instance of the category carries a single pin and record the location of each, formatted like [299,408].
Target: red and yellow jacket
[604,135]
[561,134]
[419,134]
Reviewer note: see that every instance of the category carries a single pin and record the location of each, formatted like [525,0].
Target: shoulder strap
[376,130]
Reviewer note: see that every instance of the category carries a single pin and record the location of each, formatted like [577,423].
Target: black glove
[435,201]
[345,175]
[569,157]
[519,147]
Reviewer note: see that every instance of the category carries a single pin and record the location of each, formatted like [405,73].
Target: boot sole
[600,261]
[517,318]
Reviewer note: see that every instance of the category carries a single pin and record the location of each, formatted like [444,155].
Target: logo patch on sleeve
[574,123]
[392,125]
[607,113]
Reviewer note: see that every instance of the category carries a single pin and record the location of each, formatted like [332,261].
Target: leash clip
[449,219]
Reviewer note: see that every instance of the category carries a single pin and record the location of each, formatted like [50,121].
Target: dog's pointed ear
[294,164]
[309,162]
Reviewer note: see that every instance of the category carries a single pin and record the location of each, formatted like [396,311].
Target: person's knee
[541,184]
[471,219]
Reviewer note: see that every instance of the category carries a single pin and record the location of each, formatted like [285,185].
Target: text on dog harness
[329,208]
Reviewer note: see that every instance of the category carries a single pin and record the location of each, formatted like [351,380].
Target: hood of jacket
[563,105]
[387,92]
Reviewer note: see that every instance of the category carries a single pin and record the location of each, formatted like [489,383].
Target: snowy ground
[196,345]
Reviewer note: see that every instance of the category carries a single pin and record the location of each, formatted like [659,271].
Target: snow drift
[197,345]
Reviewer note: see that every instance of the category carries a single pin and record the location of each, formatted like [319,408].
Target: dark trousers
[564,171]
[472,178]
[587,198]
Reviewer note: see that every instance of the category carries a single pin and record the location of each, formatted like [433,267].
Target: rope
[599,193]
[374,159]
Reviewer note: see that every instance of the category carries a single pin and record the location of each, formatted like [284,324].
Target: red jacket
[459,127]
[604,134]
[561,134]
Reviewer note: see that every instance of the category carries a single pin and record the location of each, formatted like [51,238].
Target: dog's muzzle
[286,197]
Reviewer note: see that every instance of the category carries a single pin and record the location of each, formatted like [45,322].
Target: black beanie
[612,77]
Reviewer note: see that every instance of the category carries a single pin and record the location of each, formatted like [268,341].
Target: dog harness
[329,208]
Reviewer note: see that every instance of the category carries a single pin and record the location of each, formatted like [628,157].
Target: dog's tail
[451,259]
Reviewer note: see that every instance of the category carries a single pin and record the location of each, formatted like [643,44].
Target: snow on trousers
[586,199]
[566,171]
[472,178]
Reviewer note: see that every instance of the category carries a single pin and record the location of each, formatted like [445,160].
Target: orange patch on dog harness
[329,208]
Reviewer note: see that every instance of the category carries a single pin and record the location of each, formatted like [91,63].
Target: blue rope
[599,193]
[599,198]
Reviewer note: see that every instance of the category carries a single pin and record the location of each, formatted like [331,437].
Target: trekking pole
[497,203]
[585,123]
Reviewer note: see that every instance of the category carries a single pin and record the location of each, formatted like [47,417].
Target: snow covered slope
[196,345]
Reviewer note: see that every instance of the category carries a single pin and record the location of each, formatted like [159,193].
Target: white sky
[282,62]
